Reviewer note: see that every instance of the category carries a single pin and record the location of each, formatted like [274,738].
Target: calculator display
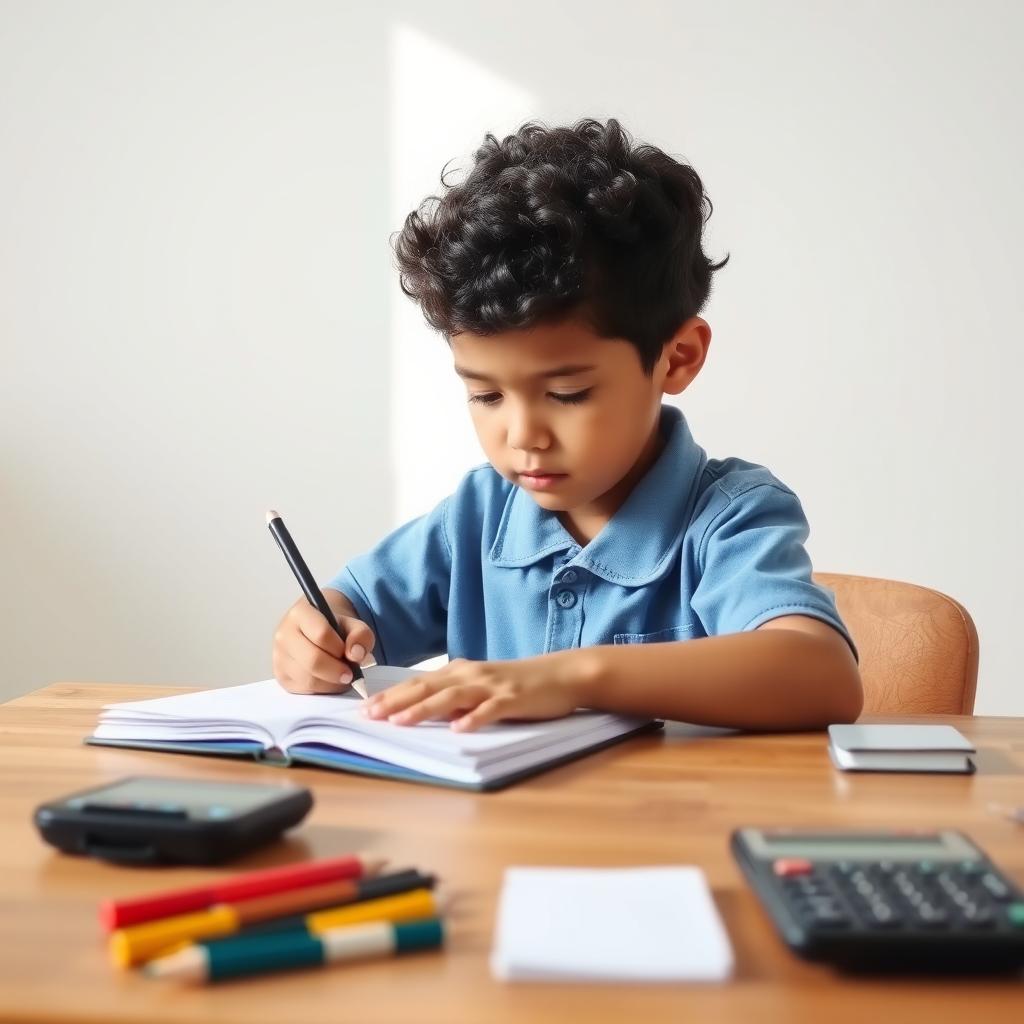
[856,848]
[200,797]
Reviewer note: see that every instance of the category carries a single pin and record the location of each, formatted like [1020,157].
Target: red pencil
[119,913]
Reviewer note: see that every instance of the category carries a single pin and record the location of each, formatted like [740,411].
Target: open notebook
[262,720]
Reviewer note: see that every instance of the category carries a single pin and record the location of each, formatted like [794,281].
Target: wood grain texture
[669,799]
[918,647]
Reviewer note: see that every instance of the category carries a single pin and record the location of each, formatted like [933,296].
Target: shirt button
[566,598]
[569,576]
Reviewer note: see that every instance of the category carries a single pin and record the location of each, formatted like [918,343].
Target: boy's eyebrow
[558,371]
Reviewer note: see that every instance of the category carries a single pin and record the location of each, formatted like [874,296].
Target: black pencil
[363,889]
[313,593]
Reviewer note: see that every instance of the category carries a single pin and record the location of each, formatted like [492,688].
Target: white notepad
[609,924]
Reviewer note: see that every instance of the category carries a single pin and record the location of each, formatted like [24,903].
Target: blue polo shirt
[701,547]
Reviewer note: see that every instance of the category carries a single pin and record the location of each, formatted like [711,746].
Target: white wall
[199,318]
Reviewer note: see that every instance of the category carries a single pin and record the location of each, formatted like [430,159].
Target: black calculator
[148,820]
[886,899]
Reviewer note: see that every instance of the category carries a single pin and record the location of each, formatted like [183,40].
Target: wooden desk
[653,800]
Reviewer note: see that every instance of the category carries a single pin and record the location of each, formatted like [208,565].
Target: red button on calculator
[787,867]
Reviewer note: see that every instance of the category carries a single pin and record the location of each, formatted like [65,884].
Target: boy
[599,559]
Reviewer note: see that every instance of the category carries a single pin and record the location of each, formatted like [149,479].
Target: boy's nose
[527,431]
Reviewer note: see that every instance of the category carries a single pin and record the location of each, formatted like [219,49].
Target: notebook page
[226,711]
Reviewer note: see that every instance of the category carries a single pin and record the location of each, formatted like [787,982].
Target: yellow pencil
[406,906]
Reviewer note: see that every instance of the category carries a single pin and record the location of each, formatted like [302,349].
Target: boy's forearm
[765,679]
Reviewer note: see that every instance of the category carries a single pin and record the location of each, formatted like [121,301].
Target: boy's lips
[538,480]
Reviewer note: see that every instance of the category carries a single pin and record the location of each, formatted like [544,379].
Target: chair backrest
[918,648]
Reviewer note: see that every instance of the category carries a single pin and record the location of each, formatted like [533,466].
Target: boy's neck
[585,523]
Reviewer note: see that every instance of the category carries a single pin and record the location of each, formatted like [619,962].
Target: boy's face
[569,416]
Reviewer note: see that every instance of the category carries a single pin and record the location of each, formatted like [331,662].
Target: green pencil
[259,954]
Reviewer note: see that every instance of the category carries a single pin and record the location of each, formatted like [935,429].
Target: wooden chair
[918,648]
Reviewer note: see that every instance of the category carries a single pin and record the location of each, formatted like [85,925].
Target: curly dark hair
[552,222]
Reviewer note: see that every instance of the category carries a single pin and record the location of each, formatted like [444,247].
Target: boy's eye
[486,398]
[571,397]
[563,397]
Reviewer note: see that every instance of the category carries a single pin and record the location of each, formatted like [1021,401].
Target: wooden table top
[661,799]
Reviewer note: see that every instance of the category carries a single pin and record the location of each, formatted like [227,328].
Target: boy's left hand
[474,693]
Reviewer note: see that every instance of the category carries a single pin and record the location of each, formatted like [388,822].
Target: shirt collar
[638,543]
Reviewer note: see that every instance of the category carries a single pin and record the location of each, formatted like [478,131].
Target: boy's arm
[794,672]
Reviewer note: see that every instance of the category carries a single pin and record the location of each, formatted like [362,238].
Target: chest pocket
[659,637]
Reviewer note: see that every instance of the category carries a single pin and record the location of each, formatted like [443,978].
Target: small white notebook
[609,924]
[900,748]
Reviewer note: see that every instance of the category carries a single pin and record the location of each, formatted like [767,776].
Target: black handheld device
[149,820]
[886,899]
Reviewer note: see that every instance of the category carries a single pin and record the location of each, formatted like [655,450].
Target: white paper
[609,924]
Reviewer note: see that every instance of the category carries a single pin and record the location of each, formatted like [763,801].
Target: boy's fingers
[359,638]
[483,714]
[442,705]
[295,679]
[401,696]
[312,661]
[316,629]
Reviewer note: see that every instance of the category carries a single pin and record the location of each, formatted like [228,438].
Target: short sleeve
[754,566]
[400,589]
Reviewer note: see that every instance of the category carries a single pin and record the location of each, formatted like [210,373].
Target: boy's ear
[684,354]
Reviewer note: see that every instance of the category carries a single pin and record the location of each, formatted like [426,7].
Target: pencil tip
[272,515]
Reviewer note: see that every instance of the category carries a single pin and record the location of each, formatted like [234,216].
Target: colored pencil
[314,595]
[400,907]
[235,958]
[119,913]
[138,943]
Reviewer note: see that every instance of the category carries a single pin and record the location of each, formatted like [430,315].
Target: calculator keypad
[891,897]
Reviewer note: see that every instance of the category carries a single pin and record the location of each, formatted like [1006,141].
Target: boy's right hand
[307,652]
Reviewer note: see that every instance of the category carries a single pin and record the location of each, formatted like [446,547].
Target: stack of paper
[618,924]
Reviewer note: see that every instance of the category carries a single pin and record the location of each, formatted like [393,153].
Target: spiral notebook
[263,721]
